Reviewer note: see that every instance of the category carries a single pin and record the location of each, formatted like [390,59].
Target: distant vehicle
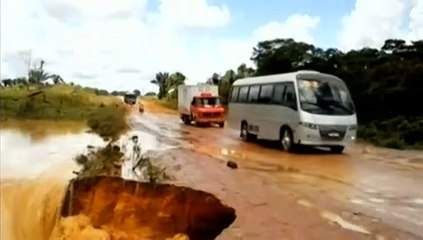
[201,104]
[298,108]
[130,98]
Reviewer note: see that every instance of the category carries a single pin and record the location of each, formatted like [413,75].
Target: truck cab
[207,109]
[130,98]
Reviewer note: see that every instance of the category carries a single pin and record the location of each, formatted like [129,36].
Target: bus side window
[290,99]
[254,94]
[234,94]
[278,93]
[266,94]
[243,94]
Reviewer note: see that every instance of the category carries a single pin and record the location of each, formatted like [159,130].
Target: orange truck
[201,104]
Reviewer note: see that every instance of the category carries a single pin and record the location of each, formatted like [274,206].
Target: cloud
[370,23]
[84,75]
[193,14]
[297,26]
[103,43]
[128,70]
[416,21]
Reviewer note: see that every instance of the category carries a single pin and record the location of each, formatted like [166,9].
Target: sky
[121,44]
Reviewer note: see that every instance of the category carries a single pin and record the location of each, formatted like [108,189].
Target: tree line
[386,84]
[37,76]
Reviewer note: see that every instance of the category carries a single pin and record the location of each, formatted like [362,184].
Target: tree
[215,79]
[167,82]
[57,79]
[137,92]
[150,94]
[161,80]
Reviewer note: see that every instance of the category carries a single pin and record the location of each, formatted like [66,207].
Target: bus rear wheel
[287,139]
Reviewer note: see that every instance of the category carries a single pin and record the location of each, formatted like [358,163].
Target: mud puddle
[372,187]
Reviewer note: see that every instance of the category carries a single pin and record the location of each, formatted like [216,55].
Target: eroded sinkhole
[135,210]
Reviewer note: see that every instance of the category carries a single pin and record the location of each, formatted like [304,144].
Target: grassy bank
[104,114]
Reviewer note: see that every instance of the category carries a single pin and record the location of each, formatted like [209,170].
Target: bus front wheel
[337,149]
[287,139]
[245,135]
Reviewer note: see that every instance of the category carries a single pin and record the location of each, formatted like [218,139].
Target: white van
[298,108]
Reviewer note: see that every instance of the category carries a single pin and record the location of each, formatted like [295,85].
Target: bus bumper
[313,137]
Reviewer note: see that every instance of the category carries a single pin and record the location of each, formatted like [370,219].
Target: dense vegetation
[385,83]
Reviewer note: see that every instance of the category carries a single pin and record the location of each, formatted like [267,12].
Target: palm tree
[57,79]
[37,75]
[162,80]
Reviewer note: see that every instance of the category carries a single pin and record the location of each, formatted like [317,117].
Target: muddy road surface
[365,193]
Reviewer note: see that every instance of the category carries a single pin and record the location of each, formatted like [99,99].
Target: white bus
[298,108]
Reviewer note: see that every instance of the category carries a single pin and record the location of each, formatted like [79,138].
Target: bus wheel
[245,135]
[287,139]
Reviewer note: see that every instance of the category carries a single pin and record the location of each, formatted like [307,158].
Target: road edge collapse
[126,209]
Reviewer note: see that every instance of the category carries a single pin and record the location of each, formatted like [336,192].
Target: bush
[108,122]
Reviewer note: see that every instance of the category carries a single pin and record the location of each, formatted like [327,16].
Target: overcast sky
[121,44]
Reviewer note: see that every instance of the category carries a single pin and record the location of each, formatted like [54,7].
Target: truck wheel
[186,119]
[287,139]
[222,124]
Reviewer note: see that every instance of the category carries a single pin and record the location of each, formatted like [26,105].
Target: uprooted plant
[149,172]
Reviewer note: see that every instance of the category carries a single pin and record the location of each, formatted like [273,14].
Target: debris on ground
[232,164]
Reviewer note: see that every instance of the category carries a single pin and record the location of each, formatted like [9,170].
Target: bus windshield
[325,97]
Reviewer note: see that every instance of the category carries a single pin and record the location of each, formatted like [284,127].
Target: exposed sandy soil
[130,210]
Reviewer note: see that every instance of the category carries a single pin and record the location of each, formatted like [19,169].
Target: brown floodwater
[37,164]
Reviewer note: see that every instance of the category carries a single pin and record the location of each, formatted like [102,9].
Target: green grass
[105,115]
[57,102]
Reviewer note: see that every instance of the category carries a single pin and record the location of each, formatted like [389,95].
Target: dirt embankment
[123,209]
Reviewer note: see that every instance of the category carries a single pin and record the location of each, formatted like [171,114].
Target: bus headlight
[309,125]
[353,127]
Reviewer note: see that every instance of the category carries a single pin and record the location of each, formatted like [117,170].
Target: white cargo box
[187,92]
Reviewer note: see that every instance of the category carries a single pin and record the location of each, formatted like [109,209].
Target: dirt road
[366,193]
